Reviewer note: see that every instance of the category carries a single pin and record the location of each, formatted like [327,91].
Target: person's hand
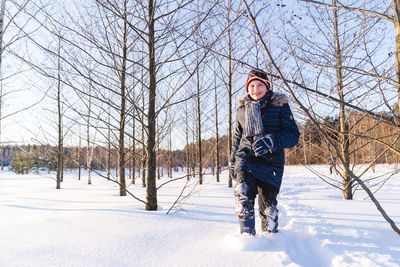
[262,144]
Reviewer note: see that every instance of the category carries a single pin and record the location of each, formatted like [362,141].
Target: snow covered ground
[90,225]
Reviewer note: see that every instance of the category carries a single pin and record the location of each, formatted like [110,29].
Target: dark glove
[262,144]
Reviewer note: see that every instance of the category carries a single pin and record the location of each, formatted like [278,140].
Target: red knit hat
[256,74]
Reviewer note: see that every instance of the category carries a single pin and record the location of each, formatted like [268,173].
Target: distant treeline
[311,149]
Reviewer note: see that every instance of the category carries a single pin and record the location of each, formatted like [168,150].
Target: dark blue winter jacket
[278,121]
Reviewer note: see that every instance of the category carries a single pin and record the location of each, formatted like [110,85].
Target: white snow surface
[91,225]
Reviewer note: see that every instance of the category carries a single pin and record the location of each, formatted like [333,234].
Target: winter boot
[270,222]
[247,226]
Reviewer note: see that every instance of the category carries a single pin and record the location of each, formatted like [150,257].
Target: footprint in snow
[260,242]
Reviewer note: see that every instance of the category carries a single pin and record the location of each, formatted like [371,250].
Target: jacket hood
[277,100]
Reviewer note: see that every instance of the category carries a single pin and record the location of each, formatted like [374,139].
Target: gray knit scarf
[253,119]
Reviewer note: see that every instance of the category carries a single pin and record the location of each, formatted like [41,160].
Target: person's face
[257,89]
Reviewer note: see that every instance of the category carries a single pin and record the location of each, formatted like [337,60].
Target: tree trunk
[216,131]
[133,149]
[143,167]
[396,19]
[130,162]
[151,191]
[229,91]
[79,154]
[304,149]
[344,127]
[109,146]
[199,154]
[170,153]
[193,152]
[62,163]
[158,160]
[121,137]
[88,154]
[2,12]
[60,135]
[187,146]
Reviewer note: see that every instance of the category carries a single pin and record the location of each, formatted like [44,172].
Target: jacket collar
[275,99]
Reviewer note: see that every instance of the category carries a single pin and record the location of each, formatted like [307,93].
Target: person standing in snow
[264,127]
[332,164]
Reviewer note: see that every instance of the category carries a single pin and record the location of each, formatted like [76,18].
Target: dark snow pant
[245,191]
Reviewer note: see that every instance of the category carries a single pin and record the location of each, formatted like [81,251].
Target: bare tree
[343,134]
[2,12]
[187,150]
[198,120]
[333,58]
[170,152]
[395,19]
[133,138]
[229,53]
[133,148]
[216,130]
[60,150]
[121,139]
[229,87]
[143,152]
[310,115]
[165,14]
[89,148]
[108,144]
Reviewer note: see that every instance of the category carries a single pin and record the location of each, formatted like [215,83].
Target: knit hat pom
[260,75]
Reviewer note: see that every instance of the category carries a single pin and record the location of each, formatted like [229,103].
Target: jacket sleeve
[289,134]
[236,136]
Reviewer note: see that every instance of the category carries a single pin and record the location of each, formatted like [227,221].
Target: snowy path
[90,225]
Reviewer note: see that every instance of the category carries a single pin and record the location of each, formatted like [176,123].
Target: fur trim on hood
[277,100]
